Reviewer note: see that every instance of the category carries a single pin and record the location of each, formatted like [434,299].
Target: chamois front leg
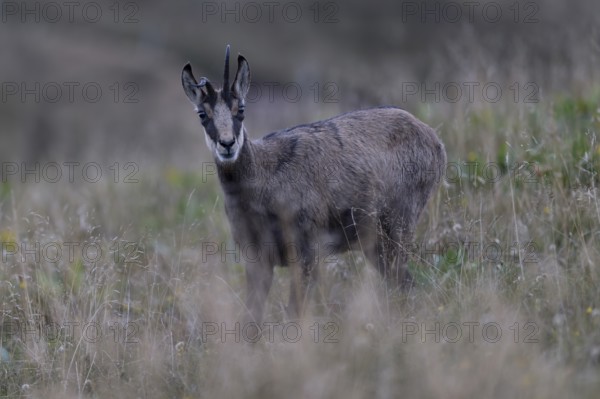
[259,277]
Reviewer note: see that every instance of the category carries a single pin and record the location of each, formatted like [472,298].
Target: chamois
[359,180]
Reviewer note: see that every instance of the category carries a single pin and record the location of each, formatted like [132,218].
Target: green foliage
[575,114]
[4,190]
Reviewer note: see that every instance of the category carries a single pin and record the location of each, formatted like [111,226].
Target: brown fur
[356,181]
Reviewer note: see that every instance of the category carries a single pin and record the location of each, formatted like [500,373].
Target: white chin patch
[231,158]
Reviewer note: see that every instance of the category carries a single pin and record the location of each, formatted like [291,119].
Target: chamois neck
[233,173]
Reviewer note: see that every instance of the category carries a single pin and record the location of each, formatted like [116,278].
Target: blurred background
[90,87]
[99,81]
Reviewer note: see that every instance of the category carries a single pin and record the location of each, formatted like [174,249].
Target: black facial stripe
[212,131]
[208,122]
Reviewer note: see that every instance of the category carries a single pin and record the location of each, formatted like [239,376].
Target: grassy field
[118,275]
[132,287]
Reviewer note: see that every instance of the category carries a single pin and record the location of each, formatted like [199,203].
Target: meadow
[119,277]
[136,287]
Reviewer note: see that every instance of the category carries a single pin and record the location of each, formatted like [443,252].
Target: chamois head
[221,111]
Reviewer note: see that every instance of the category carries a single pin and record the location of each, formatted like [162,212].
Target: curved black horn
[202,83]
[226,74]
[209,89]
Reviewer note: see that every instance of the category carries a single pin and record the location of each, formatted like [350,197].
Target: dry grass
[161,301]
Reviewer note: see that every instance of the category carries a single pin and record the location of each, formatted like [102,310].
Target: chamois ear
[190,85]
[241,84]
[195,91]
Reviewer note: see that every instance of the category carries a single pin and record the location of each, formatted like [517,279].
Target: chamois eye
[202,115]
[240,112]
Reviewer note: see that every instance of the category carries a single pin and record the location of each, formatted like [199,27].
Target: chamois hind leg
[390,255]
[399,243]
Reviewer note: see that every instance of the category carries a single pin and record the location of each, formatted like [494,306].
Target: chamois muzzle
[226,148]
